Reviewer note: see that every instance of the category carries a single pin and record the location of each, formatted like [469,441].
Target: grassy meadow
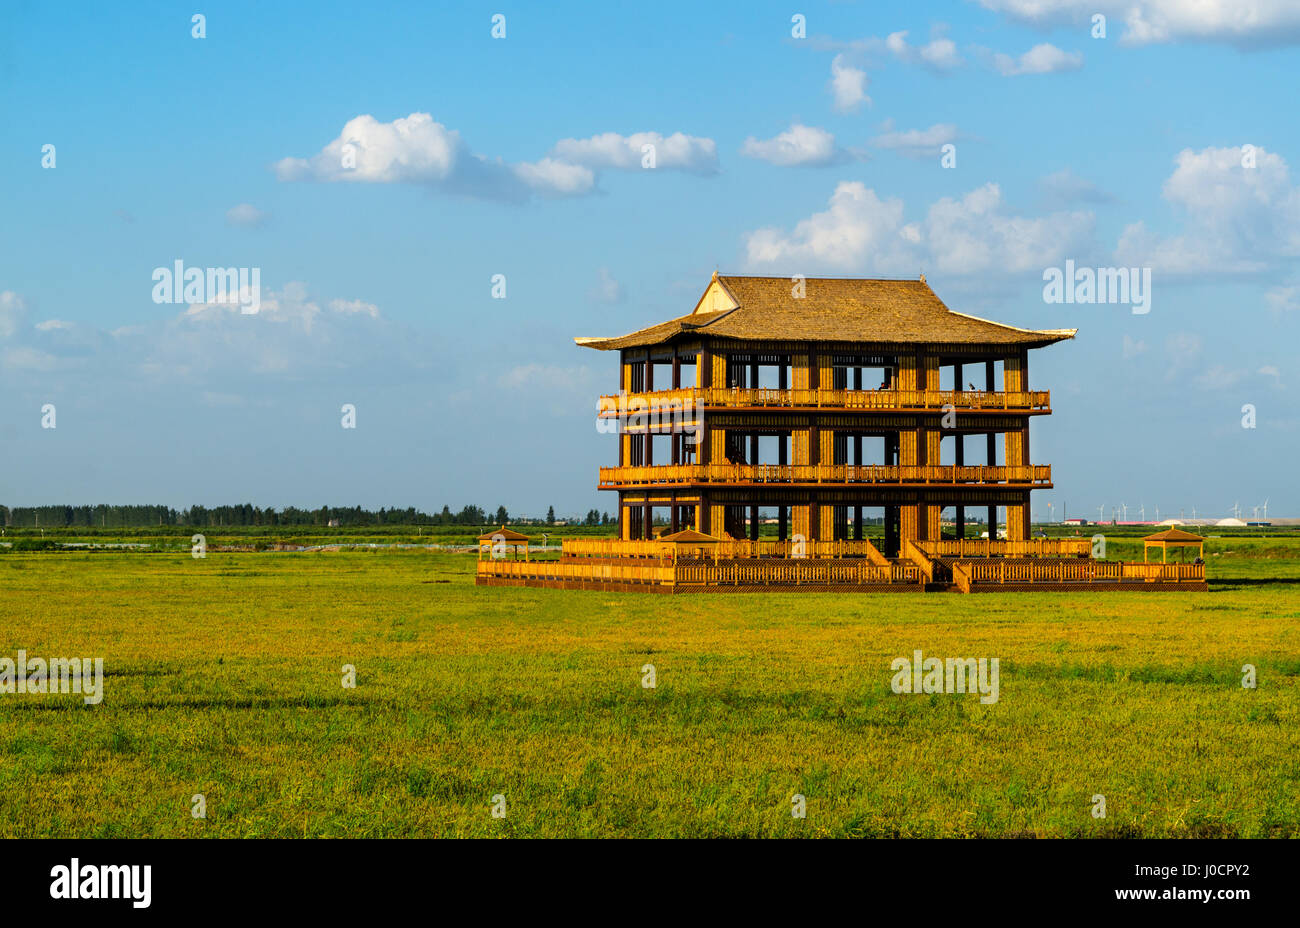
[224,678]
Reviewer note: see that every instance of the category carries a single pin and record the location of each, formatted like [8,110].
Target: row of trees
[104,516]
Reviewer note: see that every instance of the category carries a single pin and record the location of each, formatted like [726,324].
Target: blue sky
[521,156]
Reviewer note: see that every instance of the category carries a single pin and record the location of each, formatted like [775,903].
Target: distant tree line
[105,516]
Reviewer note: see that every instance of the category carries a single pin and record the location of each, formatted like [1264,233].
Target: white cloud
[848,85]
[676,152]
[24,357]
[939,54]
[417,150]
[916,142]
[863,234]
[798,146]
[606,289]
[857,229]
[1132,347]
[1043,58]
[1238,219]
[246,215]
[13,314]
[556,178]
[355,308]
[1283,299]
[1243,23]
[1219,377]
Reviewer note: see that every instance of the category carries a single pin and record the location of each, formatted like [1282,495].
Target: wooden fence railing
[759,572]
[727,549]
[925,474]
[616,405]
[796,573]
[650,573]
[1072,571]
[1034,547]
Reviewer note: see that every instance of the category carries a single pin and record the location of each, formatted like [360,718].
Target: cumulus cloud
[1239,219]
[246,215]
[939,54]
[13,314]
[417,150]
[862,233]
[848,85]
[354,308]
[798,146]
[1243,23]
[1043,58]
[676,152]
[916,143]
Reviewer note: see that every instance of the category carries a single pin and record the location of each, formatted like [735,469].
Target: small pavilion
[1173,538]
[690,543]
[503,536]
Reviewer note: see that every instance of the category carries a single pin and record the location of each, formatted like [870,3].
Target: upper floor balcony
[1038,476]
[1036,402]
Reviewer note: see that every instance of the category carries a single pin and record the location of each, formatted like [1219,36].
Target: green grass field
[223,678]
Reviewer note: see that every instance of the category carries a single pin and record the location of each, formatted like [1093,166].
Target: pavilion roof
[505,533]
[1175,536]
[689,535]
[831,310]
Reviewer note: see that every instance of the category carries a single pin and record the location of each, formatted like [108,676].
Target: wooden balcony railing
[882,474]
[1034,547]
[757,573]
[796,573]
[613,406]
[728,549]
[967,573]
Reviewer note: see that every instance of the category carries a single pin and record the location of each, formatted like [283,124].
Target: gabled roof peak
[829,309]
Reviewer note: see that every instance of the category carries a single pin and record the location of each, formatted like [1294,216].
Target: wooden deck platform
[849,567]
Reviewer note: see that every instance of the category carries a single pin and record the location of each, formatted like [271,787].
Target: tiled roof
[834,310]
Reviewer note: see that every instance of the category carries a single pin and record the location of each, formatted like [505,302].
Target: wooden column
[782,522]
[753,523]
[649,522]
[891,531]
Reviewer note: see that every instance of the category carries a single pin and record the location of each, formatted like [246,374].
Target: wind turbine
[1142,511]
[1266,509]
[1101,512]
[1124,508]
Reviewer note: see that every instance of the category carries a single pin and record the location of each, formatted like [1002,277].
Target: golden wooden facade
[692,413]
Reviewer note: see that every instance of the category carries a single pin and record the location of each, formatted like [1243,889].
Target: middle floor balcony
[799,475]
[1037,402]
